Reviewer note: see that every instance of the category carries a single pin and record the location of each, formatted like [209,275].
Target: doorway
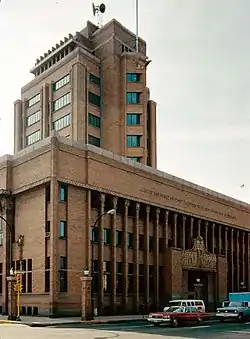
[198,285]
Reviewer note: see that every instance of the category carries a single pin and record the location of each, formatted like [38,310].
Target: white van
[199,304]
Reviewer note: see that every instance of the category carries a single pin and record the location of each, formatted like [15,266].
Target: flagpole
[137,25]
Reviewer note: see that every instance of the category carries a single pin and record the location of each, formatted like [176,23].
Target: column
[101,255]
[157,259]
[238,259]
[88,240]
[18,126]
[86,298]
[136,257]
[175,229]
[12,300]
[146,256]
[184,218]
[191,231]
[248,260]
[166,231]
[125,254]
[243,259]
[232,259]
[206,238]
[219,240]
[45,113]
[213,238]
[199,228]
[226,241]
[54,218]
[113,256]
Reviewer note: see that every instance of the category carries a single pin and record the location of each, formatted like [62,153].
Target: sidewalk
[45,321]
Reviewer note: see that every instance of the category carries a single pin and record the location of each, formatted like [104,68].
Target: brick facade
[141,244]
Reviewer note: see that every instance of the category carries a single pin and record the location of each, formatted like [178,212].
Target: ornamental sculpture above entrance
[198,257]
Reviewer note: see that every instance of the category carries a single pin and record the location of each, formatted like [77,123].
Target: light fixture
[111,212]
[11,271]
[86,272]
[198,280]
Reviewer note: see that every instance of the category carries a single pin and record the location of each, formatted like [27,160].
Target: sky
[199,76]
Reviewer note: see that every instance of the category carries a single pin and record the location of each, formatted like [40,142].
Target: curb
[85,322]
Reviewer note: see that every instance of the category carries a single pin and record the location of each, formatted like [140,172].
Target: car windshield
[175,309]
[235,304]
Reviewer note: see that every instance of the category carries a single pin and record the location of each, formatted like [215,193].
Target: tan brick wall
[31,171]
[30,222]
[77,246]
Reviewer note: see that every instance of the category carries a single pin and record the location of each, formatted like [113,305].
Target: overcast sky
[199,76]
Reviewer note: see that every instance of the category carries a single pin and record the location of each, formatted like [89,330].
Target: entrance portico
[197,274]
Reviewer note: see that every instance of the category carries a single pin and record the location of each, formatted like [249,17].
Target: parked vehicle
[238,307]
[199,304]
[176,316]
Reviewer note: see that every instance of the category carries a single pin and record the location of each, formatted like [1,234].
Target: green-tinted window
[133,77]
[133,119]
[136,159]
[94,140]
[94,99]
[94,79]
[133,97]
[133,140]
[60,83]
[94,120]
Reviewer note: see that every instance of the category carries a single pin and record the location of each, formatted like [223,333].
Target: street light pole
[93,227]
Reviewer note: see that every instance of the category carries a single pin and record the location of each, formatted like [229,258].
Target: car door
[187,317]
[193,314]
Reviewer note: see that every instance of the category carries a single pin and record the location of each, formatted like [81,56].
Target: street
[132,330]
[212,330]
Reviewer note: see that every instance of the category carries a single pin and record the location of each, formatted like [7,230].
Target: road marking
[194,327]
[243,332]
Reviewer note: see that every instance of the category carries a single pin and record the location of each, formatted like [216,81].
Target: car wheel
[240,317]
[175,322]
[199,320]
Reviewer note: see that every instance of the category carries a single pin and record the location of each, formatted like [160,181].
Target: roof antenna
[137,25]
[99,10]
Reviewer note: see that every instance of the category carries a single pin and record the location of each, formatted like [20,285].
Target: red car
[176,316]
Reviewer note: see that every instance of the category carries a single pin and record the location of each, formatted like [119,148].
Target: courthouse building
[85,143]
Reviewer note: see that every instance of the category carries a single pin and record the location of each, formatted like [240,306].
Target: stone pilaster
[125,254]
[101,255]
[184,218]
[136,257]
[213,238]
[157,258]
[248,260]
[191,232]
[166,231]
[243,259]
[232,259]
[175,229]
[206,237]
[219,240]
[226,240]
[146,256]
[113,255]
[238,259]
[199,228]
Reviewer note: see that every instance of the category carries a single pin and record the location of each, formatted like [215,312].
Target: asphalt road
[211,330]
